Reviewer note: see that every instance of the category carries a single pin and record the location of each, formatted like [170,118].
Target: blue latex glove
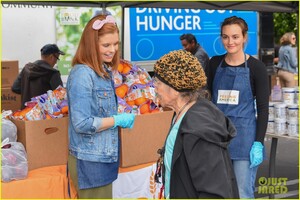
[124,120]
[256,154]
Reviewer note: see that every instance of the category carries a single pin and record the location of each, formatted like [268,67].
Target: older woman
[195,155]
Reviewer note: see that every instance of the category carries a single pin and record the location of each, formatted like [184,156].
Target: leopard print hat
[180,70]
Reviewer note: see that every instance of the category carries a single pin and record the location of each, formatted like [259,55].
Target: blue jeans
[245,177]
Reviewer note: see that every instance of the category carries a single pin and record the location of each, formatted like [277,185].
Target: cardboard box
[140,144]
[45,141]
[10,100]
[9,72]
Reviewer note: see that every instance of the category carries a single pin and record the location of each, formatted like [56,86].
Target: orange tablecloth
[47,182]
[51,182]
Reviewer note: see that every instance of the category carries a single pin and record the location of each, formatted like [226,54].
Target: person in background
[94,145]
[276,52]
[287,60]
[196,162]
[189,43]
[40,76]
[239,86]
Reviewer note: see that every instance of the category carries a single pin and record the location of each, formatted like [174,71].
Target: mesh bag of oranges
[52,104]
[134,89]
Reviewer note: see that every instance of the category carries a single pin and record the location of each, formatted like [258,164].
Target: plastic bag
[14,161]
[9,130]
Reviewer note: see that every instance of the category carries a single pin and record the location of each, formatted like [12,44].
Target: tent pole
[122,31]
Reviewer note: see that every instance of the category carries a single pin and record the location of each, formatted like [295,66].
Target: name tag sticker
[228,97]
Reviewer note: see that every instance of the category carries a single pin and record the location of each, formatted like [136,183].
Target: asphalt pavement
[285,185]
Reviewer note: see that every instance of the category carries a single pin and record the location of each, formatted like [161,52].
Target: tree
[284,22]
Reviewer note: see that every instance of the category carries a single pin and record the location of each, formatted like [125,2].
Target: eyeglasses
[56,57]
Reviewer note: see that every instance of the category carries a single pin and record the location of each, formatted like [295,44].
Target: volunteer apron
[233,95]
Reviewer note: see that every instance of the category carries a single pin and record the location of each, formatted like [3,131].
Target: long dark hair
[235,20]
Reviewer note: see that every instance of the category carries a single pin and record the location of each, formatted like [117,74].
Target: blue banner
[156,31]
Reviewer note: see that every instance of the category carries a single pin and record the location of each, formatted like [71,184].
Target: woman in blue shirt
[93,119]
[288,61]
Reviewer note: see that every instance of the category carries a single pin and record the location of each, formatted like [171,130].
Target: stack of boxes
[45,141]
[9,72]
[283,115]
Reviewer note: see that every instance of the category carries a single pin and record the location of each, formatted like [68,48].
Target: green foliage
[284,22]
[68,34]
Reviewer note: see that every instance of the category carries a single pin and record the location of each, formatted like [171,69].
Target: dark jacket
[36,79]
[201,166]
[202,56]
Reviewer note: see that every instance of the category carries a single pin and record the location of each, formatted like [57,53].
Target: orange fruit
[155,110]
[24,111]
[120,67]
[131,103]
[142,81]
[48,116]
[57,113]
[65,109]
[122,90]
[126,68]
[145,108]
[140,101]
[17,113]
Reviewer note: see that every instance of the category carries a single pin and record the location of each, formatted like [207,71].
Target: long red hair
[88,50]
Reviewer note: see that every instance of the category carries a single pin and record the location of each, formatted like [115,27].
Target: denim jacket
[288,59]
[91,98]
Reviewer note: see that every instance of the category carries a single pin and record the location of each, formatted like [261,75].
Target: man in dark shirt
[38,77]
[189,43]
